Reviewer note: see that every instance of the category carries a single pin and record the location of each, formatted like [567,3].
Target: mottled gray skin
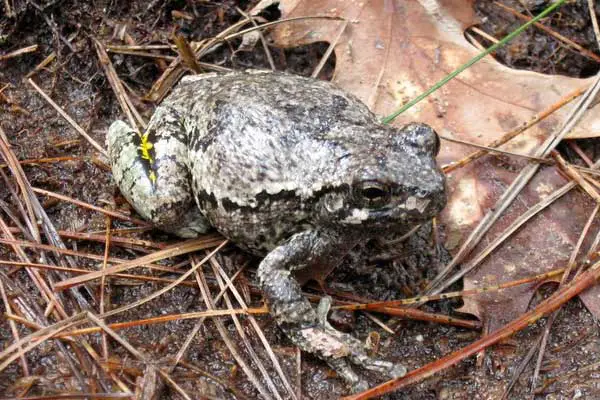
[287,167]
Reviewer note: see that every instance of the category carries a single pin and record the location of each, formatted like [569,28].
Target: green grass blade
[472,61]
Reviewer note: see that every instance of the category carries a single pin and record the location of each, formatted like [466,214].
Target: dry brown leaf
[390,52]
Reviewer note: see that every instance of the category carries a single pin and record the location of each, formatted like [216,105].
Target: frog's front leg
[307,328]
[152,172]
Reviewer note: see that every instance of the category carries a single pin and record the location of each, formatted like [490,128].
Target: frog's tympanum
[290,168]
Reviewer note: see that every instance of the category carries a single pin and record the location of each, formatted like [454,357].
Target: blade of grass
[472,61]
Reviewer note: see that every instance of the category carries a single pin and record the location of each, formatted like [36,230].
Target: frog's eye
[374,194]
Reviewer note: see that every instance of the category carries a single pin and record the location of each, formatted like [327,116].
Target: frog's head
[396,183]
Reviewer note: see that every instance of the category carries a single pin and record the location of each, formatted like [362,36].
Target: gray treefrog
[289,168]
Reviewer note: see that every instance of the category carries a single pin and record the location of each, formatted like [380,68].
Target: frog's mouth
[411,209]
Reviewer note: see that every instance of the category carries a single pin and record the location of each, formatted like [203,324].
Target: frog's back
[266,132]
[262,144]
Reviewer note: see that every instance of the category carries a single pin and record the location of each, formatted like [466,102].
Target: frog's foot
[339,349]
[306,327]
[344,370]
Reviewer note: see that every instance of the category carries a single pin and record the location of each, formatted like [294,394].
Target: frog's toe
[384,367]
[344,371]
[323,310]
[397,371]
[360,386]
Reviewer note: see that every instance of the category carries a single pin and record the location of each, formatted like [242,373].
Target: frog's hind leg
[151,171]
[306,327]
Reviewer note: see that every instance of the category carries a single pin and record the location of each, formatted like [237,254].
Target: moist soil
[75,80]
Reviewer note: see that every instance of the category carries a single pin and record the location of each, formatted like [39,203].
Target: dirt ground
[76,81]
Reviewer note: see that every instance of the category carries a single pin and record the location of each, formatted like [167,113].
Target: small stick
[576,176]
[143,54]
[103,282]
[187,54]
[443,296]
[484,34]
[568,42]
[20,52]
[449,167]
[262,38]
[329,50]
[176,250]
[561,296]
[594,20]
[13,328]
[8,9]
[70,120]
[515,132]
[132,277]
[135,119]
[47,160]
[80,203]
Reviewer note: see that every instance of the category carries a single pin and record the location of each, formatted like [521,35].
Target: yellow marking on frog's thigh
[152,177]
[145,147]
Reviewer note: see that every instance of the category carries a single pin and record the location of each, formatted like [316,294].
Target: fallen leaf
[389,52]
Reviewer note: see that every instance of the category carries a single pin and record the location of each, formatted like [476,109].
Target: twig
[594,19]
[561,296]
[8,9]
[143,54]
[27,343]
[263,41]
[221,277]
[329,50]
[487,149]
[176,250]
[566,41]
[103,283]
[82,204]
[576,176]
[71,270]
[91,256]
[218,270]
[517,131]
[13,328]
[19,52]
[138,354]
[205,291]
[135,119]
[172,74]
[552,318]
[52,25]
[522,365]
[484,34]
[179,356]
[51,57]
[444,296]
[516,186]
[66,116]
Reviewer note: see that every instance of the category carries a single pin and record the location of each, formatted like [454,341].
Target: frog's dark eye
[374,194]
